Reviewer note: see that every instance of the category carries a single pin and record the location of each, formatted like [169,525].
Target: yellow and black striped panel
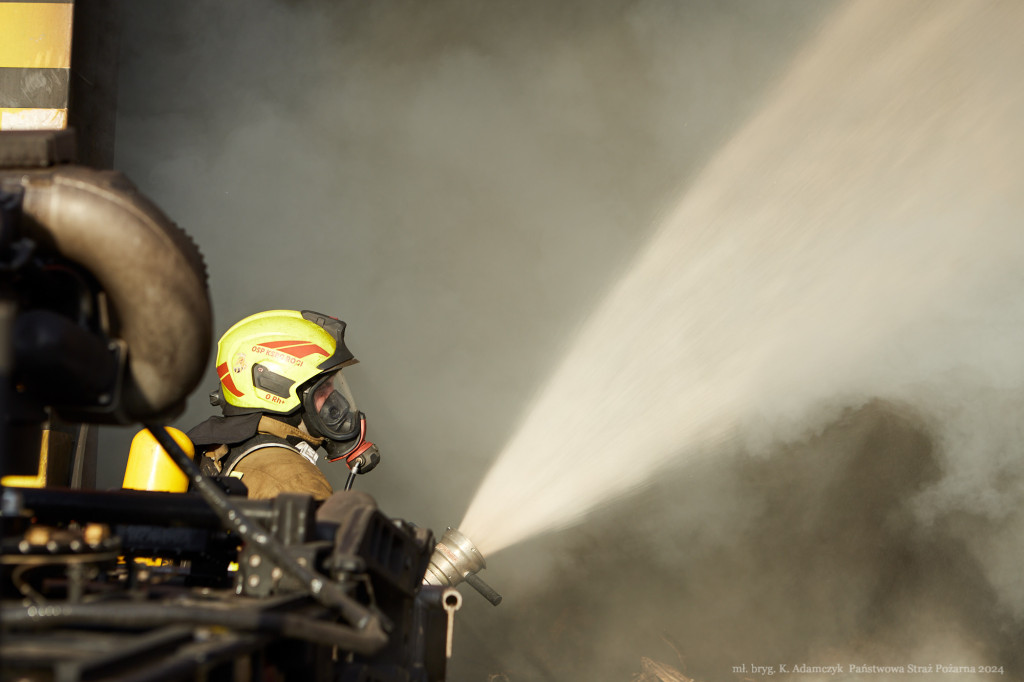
[35,61]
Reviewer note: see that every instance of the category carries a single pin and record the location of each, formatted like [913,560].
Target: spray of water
[858,237]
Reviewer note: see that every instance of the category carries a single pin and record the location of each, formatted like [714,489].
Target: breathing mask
[329,410]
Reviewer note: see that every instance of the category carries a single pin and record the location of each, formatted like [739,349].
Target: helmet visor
[331,409]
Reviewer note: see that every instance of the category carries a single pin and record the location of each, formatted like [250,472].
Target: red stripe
[225,377]
[297,348]
[304,350]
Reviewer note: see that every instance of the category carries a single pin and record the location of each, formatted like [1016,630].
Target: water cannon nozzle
[456,559]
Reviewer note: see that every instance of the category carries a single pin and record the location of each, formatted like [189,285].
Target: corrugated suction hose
[152,272]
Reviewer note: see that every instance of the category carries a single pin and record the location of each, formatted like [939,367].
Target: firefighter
[284,398]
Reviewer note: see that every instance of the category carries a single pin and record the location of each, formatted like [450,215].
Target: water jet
[855,239]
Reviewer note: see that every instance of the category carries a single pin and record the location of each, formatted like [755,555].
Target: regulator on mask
[329,411]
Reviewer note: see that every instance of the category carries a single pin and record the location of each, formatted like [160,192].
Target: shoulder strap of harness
[243,450]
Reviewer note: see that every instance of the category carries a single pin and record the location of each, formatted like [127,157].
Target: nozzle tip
[456,559]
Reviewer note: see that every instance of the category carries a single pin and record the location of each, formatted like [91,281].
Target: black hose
[143,615]
[318,586]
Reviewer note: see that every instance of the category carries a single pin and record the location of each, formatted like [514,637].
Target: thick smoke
[464,182]
[812,555]
[857,238]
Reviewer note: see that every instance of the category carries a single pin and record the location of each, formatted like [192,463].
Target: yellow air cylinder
[151,468]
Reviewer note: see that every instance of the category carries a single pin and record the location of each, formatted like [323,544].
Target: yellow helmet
[264,359]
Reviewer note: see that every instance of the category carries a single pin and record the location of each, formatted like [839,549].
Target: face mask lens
[320,395]
[331,405]
[336,415]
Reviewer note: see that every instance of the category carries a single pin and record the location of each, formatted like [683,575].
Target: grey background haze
[460,185]
[461,182]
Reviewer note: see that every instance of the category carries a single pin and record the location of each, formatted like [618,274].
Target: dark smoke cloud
[814,555]
[461,182]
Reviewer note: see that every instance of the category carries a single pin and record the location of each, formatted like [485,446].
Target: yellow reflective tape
[33,119]
[35,34]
